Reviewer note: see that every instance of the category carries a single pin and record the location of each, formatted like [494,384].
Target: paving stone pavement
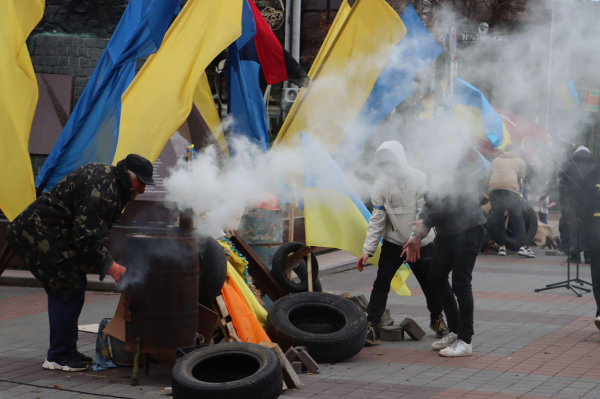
[526,344]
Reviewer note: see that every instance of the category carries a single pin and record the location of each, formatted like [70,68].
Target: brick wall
[67,55]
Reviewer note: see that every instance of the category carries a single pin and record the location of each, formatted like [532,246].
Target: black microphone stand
[567,283]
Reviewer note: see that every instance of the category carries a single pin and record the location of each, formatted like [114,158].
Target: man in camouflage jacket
[61,237]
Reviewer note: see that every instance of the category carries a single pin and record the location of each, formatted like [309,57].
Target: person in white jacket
[397,198]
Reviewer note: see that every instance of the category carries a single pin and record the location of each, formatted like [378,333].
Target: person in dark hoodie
[575,171]
[61,237]
[452,208]
[589,214]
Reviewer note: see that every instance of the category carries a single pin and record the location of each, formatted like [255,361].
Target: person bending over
[505,173]
[397,198]
[61,237]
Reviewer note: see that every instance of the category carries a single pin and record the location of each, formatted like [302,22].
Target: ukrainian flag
[367,72]
[18,99]
[568,95]
[334,215]
[477,117]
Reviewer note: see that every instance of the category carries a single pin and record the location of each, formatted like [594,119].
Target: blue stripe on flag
[92,131]
[411,55]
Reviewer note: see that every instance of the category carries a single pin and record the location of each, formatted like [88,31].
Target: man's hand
[116,271]
[412,249]
[420,229]
[360,263]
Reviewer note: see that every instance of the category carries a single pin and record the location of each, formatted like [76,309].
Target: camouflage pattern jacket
[61,235]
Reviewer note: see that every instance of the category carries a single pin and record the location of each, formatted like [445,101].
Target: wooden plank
[260,273]
[232,332]
[290,377]
[222,307]
[207,321]
[292,262]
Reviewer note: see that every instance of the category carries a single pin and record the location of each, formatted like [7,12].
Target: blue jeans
[64,317]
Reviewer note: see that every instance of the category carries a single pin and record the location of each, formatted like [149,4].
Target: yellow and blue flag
[373,80]
[160,98]
[334,30]
[92,131]
[346,77]
[568,95]
[334,215]
[18,100]
[415,51]
[477,117]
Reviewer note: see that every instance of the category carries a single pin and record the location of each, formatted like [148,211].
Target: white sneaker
[74,365]
[597,322]
[445,342]
[526,252]
[502,251]
[459,348]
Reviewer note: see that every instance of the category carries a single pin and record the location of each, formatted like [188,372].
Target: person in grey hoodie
[397,197]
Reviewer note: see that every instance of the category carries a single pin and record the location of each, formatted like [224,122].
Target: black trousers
[389,262]
[595,269]
[64,317]
[501,200]
[456,253]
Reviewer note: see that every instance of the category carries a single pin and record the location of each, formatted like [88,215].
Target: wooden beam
[292,261]
[263,279]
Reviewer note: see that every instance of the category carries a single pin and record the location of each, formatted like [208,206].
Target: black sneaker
[439,327]
[67,365]
[372,335]
[84,358]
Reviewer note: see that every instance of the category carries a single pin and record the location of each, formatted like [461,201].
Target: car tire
[332,328]
[213,270]
[531,226]
[278,268]
[228,371]
[300,271]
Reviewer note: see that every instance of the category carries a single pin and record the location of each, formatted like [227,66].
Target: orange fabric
[245,322]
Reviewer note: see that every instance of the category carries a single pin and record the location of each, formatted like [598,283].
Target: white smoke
[518,75]
[221,194]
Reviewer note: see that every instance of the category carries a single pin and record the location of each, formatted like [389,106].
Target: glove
[116,271]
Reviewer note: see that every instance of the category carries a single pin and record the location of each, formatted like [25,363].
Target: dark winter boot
[439,327]
[372,335]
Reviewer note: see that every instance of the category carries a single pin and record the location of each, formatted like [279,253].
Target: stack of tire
[531,226]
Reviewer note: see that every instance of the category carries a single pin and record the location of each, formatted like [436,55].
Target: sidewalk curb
[106,285]
[30,281]
[339,268]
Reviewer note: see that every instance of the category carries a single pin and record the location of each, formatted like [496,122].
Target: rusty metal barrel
[161,295]
[263,231]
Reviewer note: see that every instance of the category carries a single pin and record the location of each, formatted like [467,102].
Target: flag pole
[309,272]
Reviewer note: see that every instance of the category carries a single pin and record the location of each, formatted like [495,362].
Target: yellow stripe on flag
[18,100]
[334,30]
[346,76]
[333,221]
[160,97]
[205,103]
